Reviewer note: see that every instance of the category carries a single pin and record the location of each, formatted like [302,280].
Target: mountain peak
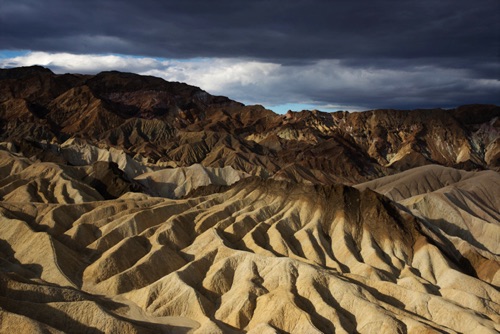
[24,72]
[154,206]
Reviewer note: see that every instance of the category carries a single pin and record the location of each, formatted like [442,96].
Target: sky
[296,54]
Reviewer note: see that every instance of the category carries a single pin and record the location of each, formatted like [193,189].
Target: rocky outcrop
[174,124]
[258,256]
[129,204]
[460,208]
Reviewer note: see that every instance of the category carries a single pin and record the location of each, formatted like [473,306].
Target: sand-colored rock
[258,256]
[177,182]
[129,204]
[461,208]
[43,182]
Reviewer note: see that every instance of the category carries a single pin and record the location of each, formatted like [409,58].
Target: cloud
[259,29]
[85,64]
[323,84]
[366,54]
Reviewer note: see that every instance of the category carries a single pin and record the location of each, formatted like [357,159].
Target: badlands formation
[134,205]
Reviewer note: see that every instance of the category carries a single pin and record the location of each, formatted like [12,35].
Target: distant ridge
[178,124]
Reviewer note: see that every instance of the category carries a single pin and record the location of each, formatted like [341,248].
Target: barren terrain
[134,205]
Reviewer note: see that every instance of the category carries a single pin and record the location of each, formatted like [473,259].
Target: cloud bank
[325,84]
[295,30]
[325,53]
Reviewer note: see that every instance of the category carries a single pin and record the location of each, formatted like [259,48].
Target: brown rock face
[181,125]
[129,204]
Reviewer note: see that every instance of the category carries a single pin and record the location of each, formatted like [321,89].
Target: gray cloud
[263,29]
[322,83]
[372,54]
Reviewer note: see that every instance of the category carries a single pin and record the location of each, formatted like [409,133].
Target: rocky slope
[164,123]
[133,205]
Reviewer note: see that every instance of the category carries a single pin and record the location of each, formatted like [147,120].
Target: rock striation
[173,124]
[129,204]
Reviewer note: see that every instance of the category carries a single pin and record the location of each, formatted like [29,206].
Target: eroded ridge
[261,255]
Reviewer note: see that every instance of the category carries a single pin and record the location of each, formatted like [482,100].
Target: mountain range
[129,204]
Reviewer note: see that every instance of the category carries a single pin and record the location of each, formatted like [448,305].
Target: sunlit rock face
[133,205]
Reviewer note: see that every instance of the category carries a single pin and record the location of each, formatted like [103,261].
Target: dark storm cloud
[400,54]
[263,29]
